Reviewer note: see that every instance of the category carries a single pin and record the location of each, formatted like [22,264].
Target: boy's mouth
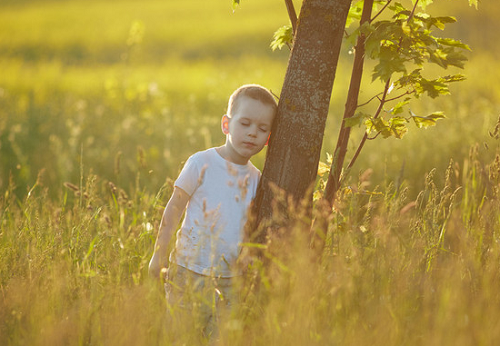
[249,144]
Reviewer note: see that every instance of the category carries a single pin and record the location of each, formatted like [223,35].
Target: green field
[102,101]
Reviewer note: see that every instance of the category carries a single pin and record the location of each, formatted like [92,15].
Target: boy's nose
[252,131]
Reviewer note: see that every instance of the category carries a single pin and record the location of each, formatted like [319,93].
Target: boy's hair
[254,91]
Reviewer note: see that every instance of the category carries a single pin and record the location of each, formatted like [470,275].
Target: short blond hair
[254,91]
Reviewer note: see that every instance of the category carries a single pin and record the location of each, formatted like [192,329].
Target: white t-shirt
[221,192]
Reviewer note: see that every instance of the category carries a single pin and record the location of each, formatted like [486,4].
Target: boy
[215,187]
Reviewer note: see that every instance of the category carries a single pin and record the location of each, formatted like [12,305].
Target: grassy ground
[102,101]
[396,270]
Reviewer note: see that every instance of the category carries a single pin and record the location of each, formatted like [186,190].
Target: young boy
[215,188]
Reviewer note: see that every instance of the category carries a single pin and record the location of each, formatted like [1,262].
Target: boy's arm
[170,219]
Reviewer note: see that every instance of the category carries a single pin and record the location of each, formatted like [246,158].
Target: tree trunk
[297,134]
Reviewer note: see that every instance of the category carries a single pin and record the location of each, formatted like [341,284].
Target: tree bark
[297,133]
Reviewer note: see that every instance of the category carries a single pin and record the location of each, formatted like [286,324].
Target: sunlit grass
[396,270]
[171,77]
[55,113]
[81,31]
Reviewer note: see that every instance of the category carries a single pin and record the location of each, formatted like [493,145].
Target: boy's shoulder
[212,157]
[203,155]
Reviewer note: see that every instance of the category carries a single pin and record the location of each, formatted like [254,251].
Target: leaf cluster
[407,40]
[396,125]
[401,41]
[401,46]
[282,37]
[236,3]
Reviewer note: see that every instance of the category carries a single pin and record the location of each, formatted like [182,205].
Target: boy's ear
[267,142]
[224,124]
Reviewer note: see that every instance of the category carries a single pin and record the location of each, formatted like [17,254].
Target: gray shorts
[197,297]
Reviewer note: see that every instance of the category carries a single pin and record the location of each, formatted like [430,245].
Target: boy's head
[248,122]
[253,91]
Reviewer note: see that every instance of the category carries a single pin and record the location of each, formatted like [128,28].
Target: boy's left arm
[171,218]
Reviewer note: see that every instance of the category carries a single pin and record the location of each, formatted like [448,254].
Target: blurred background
[127,90]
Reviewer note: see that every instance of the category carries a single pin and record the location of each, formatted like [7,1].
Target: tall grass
[396,270]
[68,266]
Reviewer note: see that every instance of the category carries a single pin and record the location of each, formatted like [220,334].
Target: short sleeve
[188,179]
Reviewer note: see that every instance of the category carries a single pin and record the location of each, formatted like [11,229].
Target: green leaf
[236,4]
[355,120]
[398,127]
[390,62]
[452,43]
[395,127]
[457,59]
[282,36]
[398,109]
[439,56]
[423,3]
[406,28]
[372,40]
[446,56]
[378,125]
[433,88]
[398,8]
[453,78]
[329,158]
[323,168]
[428,121]
[409,79]
[438,22]
[354,13]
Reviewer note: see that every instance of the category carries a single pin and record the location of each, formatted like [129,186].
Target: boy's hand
[155,269]
[163,274]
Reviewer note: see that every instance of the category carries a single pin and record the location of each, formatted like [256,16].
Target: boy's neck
[224,153]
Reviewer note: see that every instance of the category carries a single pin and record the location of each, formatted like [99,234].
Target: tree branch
[382,10]
[377,113]
[292,14]
[333,183]
[384,96]
[370,100]
[398,97]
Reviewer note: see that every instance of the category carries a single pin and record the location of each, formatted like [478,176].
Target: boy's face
[247,129]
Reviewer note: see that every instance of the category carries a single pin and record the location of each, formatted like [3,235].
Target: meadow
[102,101]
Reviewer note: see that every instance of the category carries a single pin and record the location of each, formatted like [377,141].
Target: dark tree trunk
[297,134]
